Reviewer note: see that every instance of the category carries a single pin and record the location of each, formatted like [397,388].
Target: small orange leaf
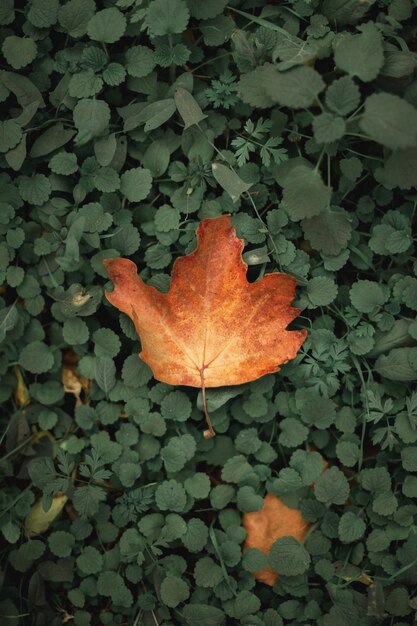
[264,527]
[213,327]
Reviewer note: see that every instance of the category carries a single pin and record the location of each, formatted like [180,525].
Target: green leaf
[398,602]
[174,590]
[328,127]
[198,486]
[91,119]
[152,115]
[61,543]
[10,135]
[236,469]
[105,373]
[19,51]
[296,88]
[351,527]
[135,372]
[292,51]
[254,560]
[229,181]
[85,84]
[293,432]
[165,17]
[106,343]
[203,614]
[156,158]
[104,149]
[16,157]
[64,163]
[35,189]
[390,121]
[203,10]
[332,487]
[207,573]
[25,91]
[107,26]
[217,31]
[114,74]
[252,87]
[36,357]
[188,107]
[328,232]
[177,452]
[75,15]
[9,317]
[43,13]
[246,603]
[288,557]
[166,219]
[75,331]
[176,406]
[86,501]
[108,581]
[55,137]
[400,169]
[348,452]
[304,193]
[366,296]
[196,535]
[397,365]
[342,12]
[140,61]
[170,496]
[360,55]
[342,95]
[320,291]
[135,184]
[409,458]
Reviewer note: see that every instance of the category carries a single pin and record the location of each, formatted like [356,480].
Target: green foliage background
[123,124]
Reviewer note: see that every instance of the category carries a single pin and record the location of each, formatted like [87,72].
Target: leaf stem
[210,432]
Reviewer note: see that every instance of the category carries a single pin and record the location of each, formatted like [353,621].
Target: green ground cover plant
[123,124]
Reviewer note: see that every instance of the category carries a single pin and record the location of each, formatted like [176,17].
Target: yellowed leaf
[38,521]
[21,393]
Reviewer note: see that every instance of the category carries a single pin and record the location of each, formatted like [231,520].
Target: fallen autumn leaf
[213,327]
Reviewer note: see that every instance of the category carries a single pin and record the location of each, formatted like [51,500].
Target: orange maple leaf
[264,527]
[213,327]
